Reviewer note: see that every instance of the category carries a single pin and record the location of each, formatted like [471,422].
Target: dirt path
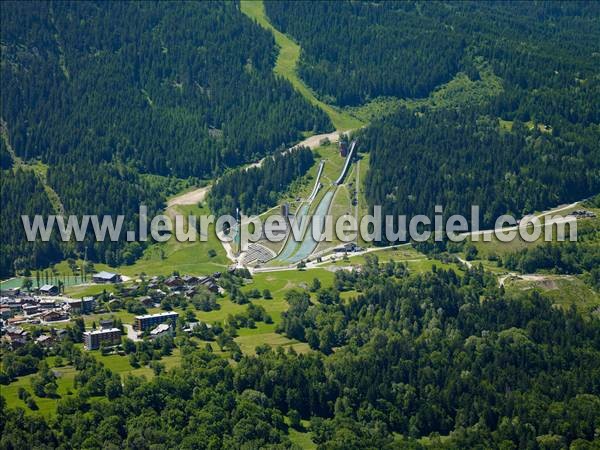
[198,195]
[189,198]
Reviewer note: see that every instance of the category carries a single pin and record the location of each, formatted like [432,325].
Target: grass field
[287,60]
[47,406]
[563,290]
[457,92]
[164,258]
[301,439]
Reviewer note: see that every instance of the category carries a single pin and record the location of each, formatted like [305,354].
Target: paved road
[131,333]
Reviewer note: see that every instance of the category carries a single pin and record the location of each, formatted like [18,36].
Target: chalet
[84,305]
[49,289]
[16,336]
[190,280]
[157,294]
[209,283]
[46,303]
[54,315]
[146,300]
[45,340]
[189,292]
[61,333]
[106,277]
[174,282]
[29,310]
[5,312]
[12,292]
[16,320]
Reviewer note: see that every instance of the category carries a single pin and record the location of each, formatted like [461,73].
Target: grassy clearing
[47,406]
[499,248]
[401,253]
[287,60]
[563,290]
[165,258]
[301,439]
[458,92]
[248,343]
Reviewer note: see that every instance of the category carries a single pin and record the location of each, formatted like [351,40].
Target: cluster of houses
[47,306]
[156,289]
[16,336]
[187,283]
[17,307]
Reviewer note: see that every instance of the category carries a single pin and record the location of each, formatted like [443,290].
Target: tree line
[256,189]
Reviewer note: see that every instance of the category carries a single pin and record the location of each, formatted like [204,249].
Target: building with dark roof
[106,277]
[49,289]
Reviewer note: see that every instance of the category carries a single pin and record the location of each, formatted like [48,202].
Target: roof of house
[105,275]
[48,287]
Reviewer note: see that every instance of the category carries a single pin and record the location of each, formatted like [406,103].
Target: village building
[49,289]
[149,321]
[92,340]
[106,277]
[84,305]
[54,315]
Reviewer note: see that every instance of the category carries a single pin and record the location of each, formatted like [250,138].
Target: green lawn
[287,60]
[563,290]
[165,258]
[66,376]
[456,93]
[47,406]
[301,439]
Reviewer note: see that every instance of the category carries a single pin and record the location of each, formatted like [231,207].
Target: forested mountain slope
[532,144]
[461,158]
[103,91]
[356,51]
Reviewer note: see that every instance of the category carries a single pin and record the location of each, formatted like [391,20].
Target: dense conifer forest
[256,189]
[364,50]
[22,193]
[103,91]
[459,158]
